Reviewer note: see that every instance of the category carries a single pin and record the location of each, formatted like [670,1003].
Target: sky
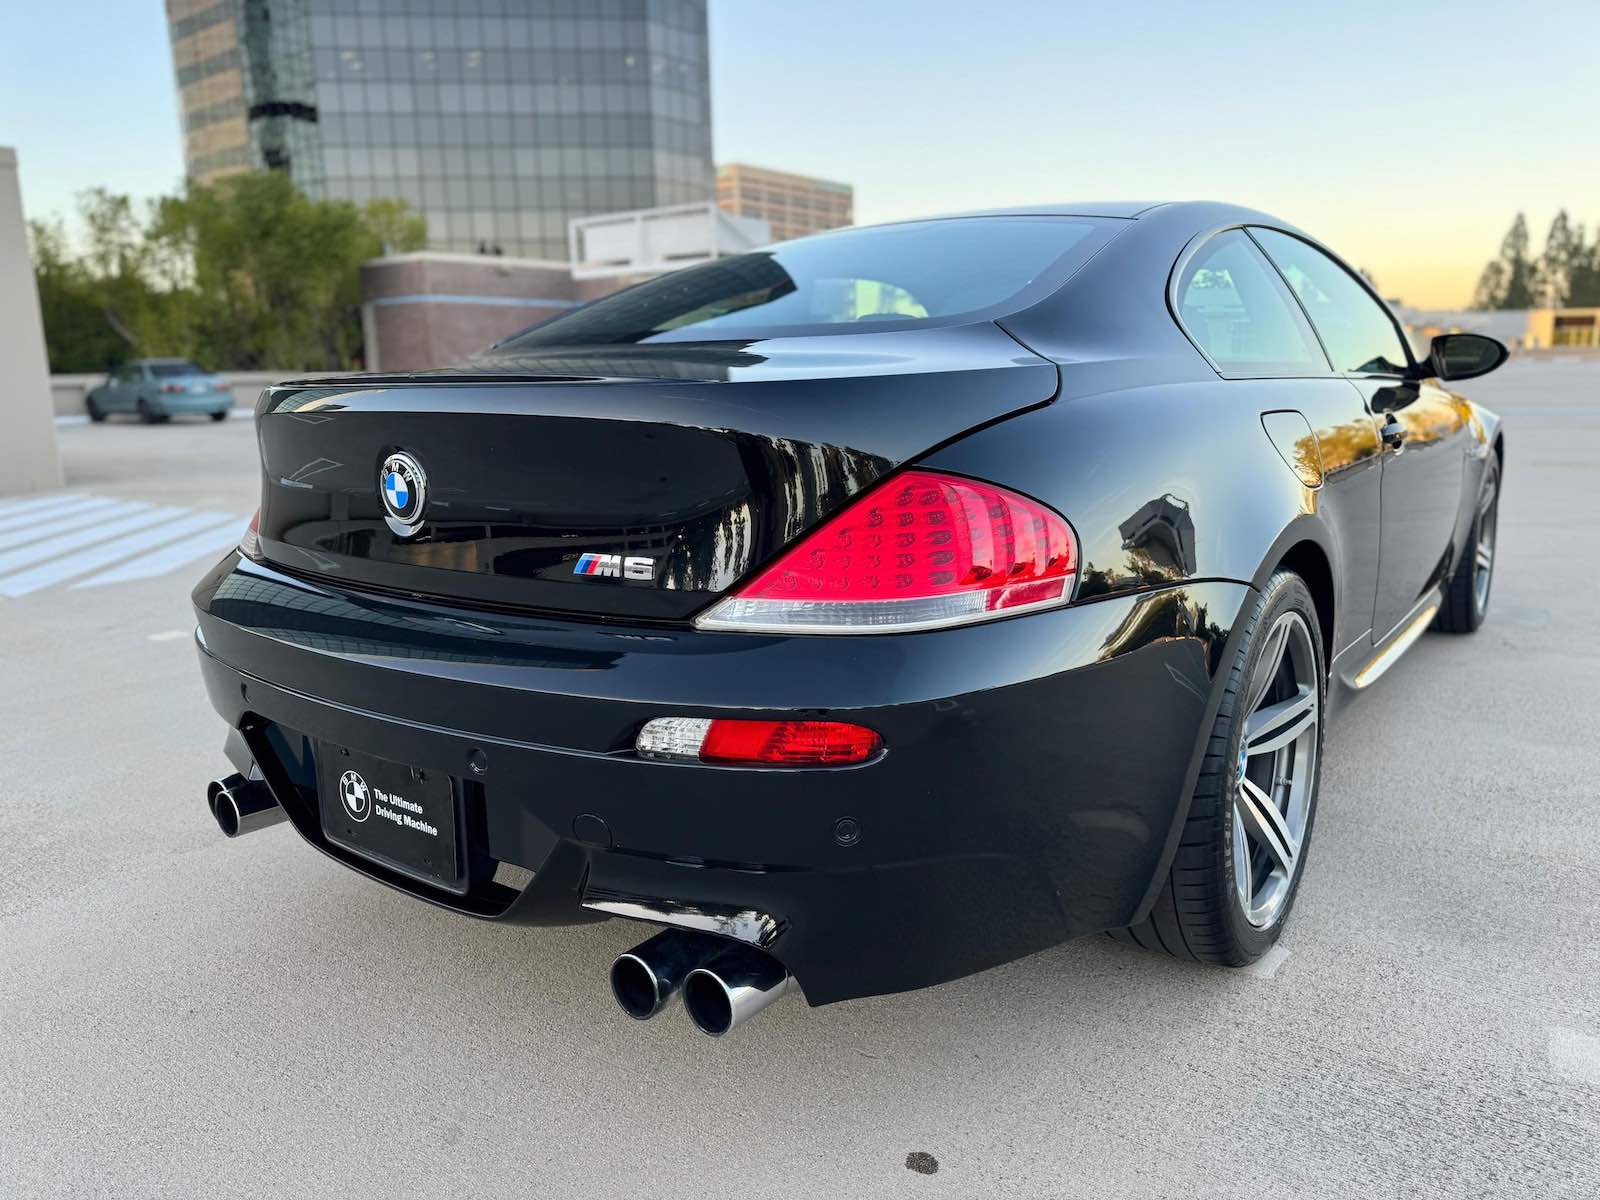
[1405,135]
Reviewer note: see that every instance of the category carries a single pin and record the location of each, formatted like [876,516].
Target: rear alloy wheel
[1239,864]
[1466,597]
[220,416]
[145,413]
[92,407]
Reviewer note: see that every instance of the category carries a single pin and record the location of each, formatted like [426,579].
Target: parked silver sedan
[157,388]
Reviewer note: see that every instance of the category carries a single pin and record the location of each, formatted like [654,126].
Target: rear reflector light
[250,542]
[758,743]
[919,551]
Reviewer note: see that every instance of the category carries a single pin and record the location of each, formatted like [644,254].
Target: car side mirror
[1465,355]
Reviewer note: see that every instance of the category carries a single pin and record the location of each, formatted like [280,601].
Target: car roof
[1082,208]
[1195,215]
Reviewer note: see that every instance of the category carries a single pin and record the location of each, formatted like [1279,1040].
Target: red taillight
[250,543]
[172,388]
[758,743]
[917,552]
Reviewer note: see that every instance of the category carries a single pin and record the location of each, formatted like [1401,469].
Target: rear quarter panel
[1179,481]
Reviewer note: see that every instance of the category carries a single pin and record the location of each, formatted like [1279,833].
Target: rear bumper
[205,402]
[1029,793]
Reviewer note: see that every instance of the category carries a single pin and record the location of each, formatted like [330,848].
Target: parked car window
[895,276]
[1237,310]
[174,370]
[1360,335]
[129,373]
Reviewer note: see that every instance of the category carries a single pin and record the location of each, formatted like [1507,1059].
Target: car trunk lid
[676,469]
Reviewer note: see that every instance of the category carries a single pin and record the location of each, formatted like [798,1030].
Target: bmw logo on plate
[403,488]
[357,798]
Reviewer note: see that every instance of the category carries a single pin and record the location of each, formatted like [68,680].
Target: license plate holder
[406,818]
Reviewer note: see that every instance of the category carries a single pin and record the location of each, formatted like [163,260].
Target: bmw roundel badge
[403,488]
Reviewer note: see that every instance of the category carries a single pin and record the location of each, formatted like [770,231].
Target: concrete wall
[28,458]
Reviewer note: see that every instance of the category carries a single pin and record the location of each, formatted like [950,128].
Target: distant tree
[1583,276]
[247,273]
[1564,251]
[397,228]
[1511,280]
[1571,266]
[275,276]
[77,336]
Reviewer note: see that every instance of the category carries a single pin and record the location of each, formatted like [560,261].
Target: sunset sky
[1405,135]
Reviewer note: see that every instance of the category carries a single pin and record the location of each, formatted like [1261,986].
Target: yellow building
[793,205]
[1559,327]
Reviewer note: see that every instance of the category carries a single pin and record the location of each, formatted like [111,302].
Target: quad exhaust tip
[722,984]
[733,987]
[242,805]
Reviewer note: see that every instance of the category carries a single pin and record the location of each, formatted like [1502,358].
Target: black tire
[1465,603]
[1200,914]
[147,415]
[92,407]
[220,416]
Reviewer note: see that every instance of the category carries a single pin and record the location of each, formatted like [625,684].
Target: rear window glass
[173,370]
[892,276]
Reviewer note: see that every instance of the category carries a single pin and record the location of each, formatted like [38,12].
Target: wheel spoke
[1267,665]
[1485,556]
[1277,725]
[1265,825]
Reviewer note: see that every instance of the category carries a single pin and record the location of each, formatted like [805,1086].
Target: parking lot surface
[183,1015]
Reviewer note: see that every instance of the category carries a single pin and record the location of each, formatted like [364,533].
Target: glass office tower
[497,119]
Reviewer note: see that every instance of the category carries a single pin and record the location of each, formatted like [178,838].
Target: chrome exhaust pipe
[645,979]
[733,987]
[242,805]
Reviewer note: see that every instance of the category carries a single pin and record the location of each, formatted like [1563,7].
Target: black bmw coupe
[865,611]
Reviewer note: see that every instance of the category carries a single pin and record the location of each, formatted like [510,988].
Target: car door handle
[1393,434]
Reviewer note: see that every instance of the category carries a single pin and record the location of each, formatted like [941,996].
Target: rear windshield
[891,276]
[172,370]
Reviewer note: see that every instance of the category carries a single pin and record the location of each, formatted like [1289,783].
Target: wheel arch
[1304,547]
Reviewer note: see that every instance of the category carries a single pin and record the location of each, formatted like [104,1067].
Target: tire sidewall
[1284,592]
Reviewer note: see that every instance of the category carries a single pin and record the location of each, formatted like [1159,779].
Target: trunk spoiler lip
[853,353]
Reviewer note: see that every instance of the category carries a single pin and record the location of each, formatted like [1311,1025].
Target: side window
[1357,330]
[1237,310]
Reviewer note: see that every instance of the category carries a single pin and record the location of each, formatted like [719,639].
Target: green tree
[274,277]
[1564,251]
[396,227]
[248,273]
[1583,272]
[77,336]
[1510,281]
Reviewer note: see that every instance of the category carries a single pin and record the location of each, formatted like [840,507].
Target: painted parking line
[60,569]
[24,503]
[166,635]
[37,552]
[17,518]
[79,518]
[1268,964]
[88,541]
[209,541]
[1575,1055]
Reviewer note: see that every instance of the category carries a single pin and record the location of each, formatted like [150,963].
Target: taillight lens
[758,743]
[172,388]
[250,543]
[919,551]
